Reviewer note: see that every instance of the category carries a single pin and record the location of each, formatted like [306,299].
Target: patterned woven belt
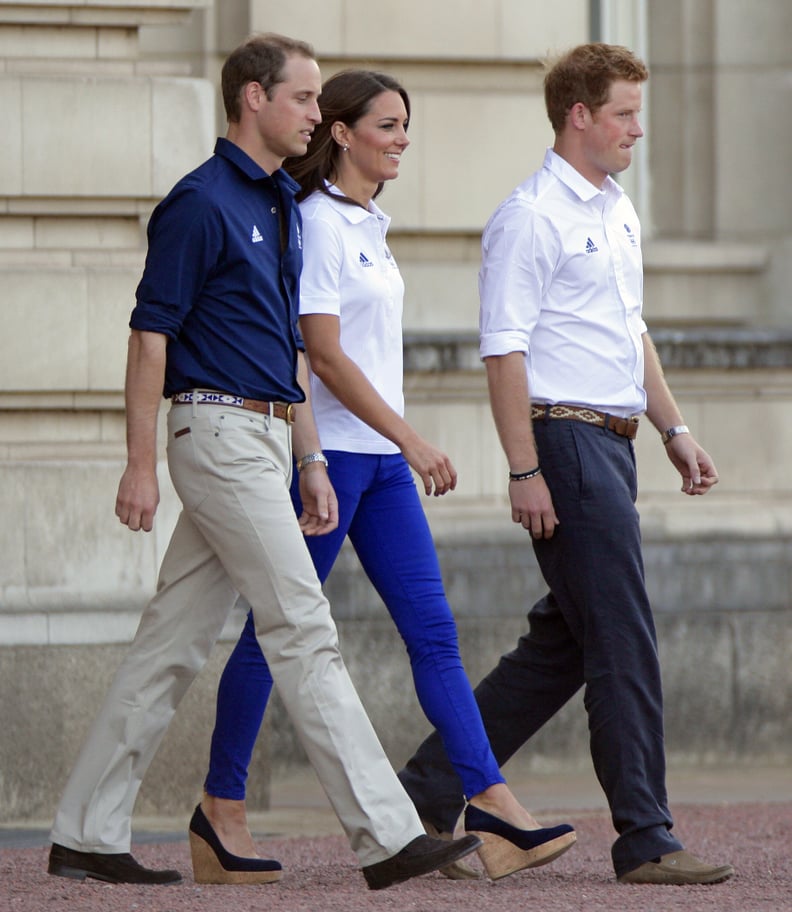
[284,410]
[625,427]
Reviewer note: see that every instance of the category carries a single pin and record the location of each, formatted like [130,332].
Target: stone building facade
[105,104]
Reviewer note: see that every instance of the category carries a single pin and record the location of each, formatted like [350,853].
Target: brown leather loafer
[115,868]
[677,868]
[421,856]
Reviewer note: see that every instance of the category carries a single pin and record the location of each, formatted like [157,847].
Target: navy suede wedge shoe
[506,849]
[213,864]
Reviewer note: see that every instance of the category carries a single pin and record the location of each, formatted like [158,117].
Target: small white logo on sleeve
[255,235]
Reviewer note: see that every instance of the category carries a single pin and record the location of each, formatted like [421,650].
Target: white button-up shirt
[562,281]
[348,271]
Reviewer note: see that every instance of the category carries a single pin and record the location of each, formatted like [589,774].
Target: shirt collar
[353,213]
[233,153]
[578,184]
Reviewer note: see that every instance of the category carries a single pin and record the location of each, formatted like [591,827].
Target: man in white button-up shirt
[570,366]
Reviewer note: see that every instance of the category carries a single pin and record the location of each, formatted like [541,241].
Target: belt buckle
[289,413]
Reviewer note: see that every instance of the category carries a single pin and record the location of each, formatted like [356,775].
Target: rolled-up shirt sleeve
[185,239]
[516,267]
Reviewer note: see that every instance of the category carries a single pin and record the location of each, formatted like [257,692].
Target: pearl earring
[346,148]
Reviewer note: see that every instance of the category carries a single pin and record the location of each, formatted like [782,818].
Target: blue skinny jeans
[380,510]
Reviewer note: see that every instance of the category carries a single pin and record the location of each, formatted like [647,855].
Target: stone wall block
[51,430]
[693,577]
[753,466]
[681,32]
[102,127]
[744,204]
[698,684]
[440,296]
[183,129]
[698,298]
[34,716]
[511,29]
[740,34]
[111,297]
[49,707]
[680,134]
[56,512]
[12,534]
[93,233]
[117,43]
[321,24]
[65,568]
[43,345]
[452,435]
[16,233]
[461,29]
[455,154]
[533,28]
[763,683]
[10,137]
[47,42]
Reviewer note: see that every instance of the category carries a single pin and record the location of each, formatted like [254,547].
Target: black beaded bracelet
[522,476]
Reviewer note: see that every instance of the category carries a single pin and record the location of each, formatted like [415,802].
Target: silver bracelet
[667,435]
[309,458]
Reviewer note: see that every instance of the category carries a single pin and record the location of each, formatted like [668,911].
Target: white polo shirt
[348,271]
[561,280]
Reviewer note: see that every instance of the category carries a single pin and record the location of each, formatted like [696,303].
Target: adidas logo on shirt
[364,260]
[255,235]
[630,235]
[591,247]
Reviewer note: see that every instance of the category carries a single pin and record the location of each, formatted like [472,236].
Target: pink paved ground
[321,876]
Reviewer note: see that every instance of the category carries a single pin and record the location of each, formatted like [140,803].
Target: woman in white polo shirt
[350,318]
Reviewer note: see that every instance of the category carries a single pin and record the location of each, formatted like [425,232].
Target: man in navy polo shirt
[215,329]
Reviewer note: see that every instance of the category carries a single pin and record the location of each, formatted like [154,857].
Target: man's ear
[579,115]
[253,95]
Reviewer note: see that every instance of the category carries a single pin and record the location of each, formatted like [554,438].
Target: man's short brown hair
[260,59]
[585,74]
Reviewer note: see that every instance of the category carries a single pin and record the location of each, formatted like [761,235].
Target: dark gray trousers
[593,629]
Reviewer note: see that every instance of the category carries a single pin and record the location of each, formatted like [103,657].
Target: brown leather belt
[625,427]
[284,410]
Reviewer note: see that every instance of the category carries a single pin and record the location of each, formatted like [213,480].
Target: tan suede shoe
[677,868]
[459,870]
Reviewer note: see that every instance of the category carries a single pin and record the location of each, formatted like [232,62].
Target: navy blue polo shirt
[216,284]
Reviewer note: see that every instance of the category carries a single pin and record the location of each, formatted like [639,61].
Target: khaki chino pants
[237,534]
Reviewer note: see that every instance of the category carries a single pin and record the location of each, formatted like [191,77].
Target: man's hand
[320,504]
[137,499]
[693,464]
[532,506]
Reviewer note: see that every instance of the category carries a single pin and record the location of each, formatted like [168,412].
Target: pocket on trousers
[188,478]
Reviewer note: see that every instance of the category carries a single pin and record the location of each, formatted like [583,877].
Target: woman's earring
[346,148]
